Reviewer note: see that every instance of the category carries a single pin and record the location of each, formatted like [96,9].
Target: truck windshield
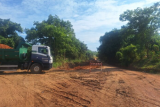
[42,50]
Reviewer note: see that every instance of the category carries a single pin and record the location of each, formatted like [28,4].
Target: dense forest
[53,32]
[137,41]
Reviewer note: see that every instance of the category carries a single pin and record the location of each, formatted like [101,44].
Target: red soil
[3,46]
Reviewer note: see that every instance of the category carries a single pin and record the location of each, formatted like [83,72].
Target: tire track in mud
[82,89]
[26,93]
[93,82]
[4,81]
[149,81]
[125,92]
[68,97]
[39,97]
[121,90]
[14,92]
[147,99]
[39,101]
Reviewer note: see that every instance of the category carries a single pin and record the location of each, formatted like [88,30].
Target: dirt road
[112,87]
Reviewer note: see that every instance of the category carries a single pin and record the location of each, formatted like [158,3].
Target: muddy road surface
[112,87]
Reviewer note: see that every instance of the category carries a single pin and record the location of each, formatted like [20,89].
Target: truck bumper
[47,66]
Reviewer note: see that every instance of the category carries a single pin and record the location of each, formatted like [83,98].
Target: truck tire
[36,68]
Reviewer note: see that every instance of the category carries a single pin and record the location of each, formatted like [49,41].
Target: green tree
[8,33]
[144,24]
[135,40]
[8,28]
[110,43]
[127,54]
[59,35]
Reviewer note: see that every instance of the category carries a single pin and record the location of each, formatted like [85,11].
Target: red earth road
[112,87]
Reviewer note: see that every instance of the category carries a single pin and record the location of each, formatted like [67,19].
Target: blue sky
[90,18]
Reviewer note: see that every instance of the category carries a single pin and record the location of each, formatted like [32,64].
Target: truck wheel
[36,68]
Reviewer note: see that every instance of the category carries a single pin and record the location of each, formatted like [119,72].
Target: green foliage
[155,48]
[144,24]
[17,39]
[128,54]
[60,36]
[8,33]
[119,55]
[61,62]
[8,28]
[137,40]
[7,41]
[110,44]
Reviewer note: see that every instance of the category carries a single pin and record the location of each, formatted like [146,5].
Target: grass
[61,63]
[151,65]
[57,64]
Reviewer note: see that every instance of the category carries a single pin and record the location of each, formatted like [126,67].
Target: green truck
[32,58]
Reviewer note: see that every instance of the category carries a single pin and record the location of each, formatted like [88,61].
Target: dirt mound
[81,66]
[3,46]
[85,67]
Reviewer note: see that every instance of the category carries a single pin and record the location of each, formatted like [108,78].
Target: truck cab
[42,55]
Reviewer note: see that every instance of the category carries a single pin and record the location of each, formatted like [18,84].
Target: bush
[128,54]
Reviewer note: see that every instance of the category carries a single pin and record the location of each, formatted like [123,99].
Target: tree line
[53,32]
[139,39]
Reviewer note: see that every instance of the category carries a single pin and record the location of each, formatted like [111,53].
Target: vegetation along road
[135,44]
[112,87]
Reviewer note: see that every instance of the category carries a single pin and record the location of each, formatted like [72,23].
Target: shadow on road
[17,73]
[108,69]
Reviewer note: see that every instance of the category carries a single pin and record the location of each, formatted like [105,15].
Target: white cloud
[90,20]
[107,14]
[151,1]
[90,37]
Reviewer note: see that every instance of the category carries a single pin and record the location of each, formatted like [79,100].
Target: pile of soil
[85,67]
[3,46]
[80,66]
